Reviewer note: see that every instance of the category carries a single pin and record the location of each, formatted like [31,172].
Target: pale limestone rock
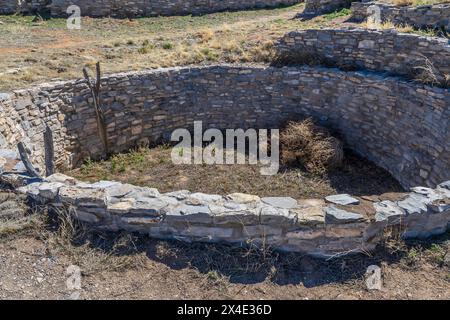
[243,198]
[334,215]
[342,199]
[280,202]
[388,211]
[373,278]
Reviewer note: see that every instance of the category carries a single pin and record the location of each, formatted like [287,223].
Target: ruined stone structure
[317,7]
[136,8]
[400,125]
[384,51]
[427,16]
[335,226]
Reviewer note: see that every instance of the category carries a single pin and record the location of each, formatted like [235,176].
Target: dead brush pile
[306,144]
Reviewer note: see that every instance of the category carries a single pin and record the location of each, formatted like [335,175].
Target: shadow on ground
[250,265]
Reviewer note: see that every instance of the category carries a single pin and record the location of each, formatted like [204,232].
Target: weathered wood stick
[26,161]
[100,117]
[49,152]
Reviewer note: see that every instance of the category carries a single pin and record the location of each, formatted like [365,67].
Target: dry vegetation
[306,144]
[33,51]
[404,3]
[154,167]
[45,50]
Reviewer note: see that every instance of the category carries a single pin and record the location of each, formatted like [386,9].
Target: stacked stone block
[427,16]
[317,227]
[383,51]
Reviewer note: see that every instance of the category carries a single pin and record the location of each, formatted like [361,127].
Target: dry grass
[426,73]
[33,52]
[405,3]
[310,146]
[153,167]
[93,252]
[404,28]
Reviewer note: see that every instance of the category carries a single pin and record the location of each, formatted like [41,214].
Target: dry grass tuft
[311,146]
[93,252]
[403,3]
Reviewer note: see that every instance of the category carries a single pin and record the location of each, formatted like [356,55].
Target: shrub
[310,146]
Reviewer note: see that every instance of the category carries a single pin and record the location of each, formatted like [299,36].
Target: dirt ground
[35,263]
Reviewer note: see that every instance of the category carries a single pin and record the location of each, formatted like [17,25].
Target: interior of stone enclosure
[400,126]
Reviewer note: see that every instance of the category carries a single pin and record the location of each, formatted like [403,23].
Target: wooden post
[99,113]
[26,161]
[49,152]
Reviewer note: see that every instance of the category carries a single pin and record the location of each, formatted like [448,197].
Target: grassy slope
[41,51]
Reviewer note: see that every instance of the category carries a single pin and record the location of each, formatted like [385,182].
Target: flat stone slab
[243,198]
[414,204]
[342,199]
[387,211]
[445,185]
[280,202]
[9,154]
[335,215]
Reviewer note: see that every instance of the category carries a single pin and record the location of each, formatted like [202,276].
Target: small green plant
[143,50]
[167,46]
[437,254]
[338,13]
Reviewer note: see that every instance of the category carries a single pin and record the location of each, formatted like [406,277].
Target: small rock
[179,195]
[276,216]
[387,211]
[280,202]
[414,203]
[204,198]
[373,278]
[447,259]
[2,163]
[85,216]
[243,198]
[9,154]
[334,215]
[342,199]
[445,185]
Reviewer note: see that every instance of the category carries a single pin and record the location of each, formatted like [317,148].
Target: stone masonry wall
[22,6]
[135,8]
[385,51]
[337,225]
[427,16]
[401,126]
[317,7]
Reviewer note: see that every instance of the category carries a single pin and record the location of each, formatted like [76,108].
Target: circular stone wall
[400,126]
